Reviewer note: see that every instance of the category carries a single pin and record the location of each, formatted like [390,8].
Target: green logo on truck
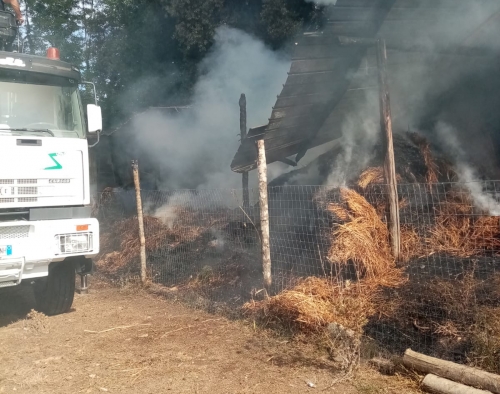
[57,166]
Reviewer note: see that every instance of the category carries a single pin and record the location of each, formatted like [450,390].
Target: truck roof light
[82,227]
[53,53]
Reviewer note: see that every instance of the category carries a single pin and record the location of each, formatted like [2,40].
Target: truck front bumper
[28,247]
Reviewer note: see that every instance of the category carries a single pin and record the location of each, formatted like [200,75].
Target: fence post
[140,218]
[264,215]
[389,165]
[243,134]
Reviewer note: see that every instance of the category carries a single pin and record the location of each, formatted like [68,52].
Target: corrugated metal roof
[328,80]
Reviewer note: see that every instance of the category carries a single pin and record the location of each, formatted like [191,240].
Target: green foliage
[146,52]
[195,23]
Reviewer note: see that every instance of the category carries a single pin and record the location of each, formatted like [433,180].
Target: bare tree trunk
[389,165]
[264,215]
[243,133]
[137,183]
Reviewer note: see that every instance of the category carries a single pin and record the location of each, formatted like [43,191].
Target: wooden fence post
[389,165]
[264,215]
[140,218]
[243,134]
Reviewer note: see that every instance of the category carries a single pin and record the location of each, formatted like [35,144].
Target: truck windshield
[28,107]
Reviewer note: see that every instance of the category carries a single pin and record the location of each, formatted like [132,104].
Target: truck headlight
[74,243]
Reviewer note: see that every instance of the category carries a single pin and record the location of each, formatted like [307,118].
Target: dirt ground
[130,341]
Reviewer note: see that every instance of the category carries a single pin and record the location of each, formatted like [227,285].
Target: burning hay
[362,239]
[120,245]
[425,148]
[459,231]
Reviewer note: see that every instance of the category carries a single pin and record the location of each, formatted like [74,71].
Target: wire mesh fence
[440,297]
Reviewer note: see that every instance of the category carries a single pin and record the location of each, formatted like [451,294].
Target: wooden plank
[446,369]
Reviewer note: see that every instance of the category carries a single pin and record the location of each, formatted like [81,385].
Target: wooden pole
[243,133]
[435,384]
[446,369]
[389,165]
[140,218]
[264,215]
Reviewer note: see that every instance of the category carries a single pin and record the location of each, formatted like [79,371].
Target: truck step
[11,271]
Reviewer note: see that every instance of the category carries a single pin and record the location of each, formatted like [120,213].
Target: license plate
[5,250]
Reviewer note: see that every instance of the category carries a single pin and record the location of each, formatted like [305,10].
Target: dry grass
[314,303]
[485,340]
[459,231]
[411,244]
[120,244]
[425,149]
[373,176]
[362,239]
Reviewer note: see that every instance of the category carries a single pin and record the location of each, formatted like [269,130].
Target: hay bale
[431,176]
[363,240]
[372,175]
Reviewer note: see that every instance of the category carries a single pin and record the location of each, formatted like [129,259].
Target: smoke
[429,85]
[360,133]
[466,173]
[194,148]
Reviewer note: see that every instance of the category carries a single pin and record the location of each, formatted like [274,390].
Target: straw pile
[425,149]
[314,303]
[373,176]
[120,244]
[459,231]
[363,239]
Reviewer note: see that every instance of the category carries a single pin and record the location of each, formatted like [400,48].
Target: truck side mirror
[94,118]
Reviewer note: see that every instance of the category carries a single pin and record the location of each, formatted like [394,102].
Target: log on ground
[446,369]
[435,384]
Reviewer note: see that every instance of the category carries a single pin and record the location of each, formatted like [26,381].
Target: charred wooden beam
[243,134]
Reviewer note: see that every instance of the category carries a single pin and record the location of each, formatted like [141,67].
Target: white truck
[47,234]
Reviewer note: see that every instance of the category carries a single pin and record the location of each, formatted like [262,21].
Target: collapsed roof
[329,78]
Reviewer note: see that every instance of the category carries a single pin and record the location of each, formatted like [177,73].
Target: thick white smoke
[195,148]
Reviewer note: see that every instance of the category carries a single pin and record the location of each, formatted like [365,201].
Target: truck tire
[54,295]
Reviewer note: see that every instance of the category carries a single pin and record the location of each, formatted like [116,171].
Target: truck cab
[47,234]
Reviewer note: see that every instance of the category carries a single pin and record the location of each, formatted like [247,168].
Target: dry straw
[314,303]
[362,239]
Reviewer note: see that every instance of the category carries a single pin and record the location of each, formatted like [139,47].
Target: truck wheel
[54,295]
